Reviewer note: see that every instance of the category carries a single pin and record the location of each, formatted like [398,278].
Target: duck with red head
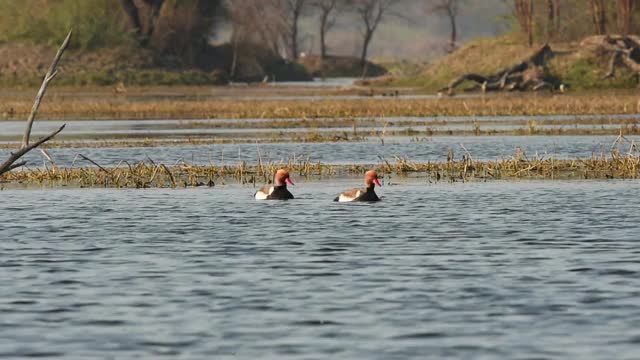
[366,194]
[279,190]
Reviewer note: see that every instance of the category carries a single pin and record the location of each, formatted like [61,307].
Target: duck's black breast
[280,193]
[368,195]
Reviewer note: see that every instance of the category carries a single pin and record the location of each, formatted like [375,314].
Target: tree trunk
[324,18]
[599,16]
[530,23]
[296,11]
[365,47]
[371,12]
[134,16]
[235,38]
[326,8]
[524,14]
[294,41]
[156,6]
[553,14]
[454,29]
[625,14]
[556,16]
[550,14]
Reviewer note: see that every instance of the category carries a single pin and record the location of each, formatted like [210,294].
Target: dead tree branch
[625,52]
[25,147]
[522,76]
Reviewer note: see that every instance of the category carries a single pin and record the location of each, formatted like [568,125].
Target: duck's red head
[371,177]
[282,177]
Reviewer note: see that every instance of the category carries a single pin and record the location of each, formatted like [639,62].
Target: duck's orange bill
[375,181]
[289,181]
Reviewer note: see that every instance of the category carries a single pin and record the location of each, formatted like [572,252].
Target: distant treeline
[571,20]
[182,29]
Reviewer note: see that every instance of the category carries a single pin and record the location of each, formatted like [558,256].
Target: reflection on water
[483,270]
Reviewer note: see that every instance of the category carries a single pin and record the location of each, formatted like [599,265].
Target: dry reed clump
[95,108]
[147,175]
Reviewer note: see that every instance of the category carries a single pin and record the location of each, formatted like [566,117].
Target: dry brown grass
[113,108]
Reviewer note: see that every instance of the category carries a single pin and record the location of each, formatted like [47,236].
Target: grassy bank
[577,65]
[23,65]
[121,107]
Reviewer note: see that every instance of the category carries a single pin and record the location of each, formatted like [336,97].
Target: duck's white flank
[263,193]
[350,196]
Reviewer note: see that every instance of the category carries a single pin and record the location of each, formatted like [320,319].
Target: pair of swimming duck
[279,190]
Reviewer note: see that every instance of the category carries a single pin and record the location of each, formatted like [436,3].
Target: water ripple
[520,270]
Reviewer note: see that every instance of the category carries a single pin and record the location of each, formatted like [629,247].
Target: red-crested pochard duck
[366,194]
[279,190]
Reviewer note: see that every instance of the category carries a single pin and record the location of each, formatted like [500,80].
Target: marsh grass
[151,174]
[616,165]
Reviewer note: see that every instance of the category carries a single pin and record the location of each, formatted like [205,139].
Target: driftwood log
[12,162]
[625,52]
[522,76]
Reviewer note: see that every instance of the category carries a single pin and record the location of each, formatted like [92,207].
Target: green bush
[96,23]
[586,74]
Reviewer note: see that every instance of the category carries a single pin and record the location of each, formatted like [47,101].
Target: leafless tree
[371,12]
[293,11]
[599,15]
[255,22]
[450,9]
[326,7]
